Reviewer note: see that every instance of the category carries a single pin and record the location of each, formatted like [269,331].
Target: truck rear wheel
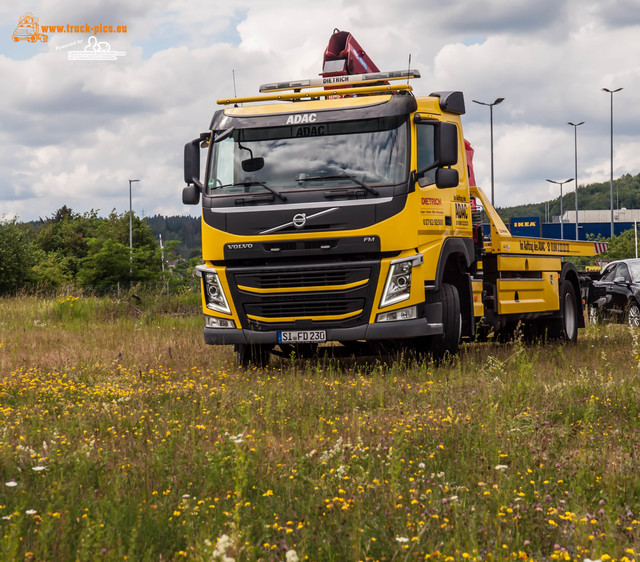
[449,340]
[569,312]
[250,355]
[565,327]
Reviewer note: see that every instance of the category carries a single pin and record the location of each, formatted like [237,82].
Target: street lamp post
[490,105]
[561,183]
[575,138]
[611,184]
[130,232]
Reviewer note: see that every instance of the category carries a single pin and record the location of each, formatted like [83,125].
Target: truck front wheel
[449,340]
[249,355]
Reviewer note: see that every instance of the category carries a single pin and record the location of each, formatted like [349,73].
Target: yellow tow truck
[343,209]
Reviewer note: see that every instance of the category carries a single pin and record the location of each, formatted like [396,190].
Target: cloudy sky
[73,132]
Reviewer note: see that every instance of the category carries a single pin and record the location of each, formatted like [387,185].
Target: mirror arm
[417,174]
[197,183]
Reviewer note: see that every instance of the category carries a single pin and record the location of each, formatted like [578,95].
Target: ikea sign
[525,226]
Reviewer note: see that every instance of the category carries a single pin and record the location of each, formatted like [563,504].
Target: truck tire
[252,355]
[449,340]
[633,314]
[566,327]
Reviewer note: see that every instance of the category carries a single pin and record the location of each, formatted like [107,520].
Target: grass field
[124,437]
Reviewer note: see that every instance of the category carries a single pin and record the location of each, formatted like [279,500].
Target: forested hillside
[184,229]
[626,191]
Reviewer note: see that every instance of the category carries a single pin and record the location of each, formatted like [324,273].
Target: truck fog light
[397,287]
[213,322]
[408,313]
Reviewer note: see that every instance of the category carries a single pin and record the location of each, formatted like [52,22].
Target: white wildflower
[220,552]
[11,484]
[402,539]
[31,512]
[501,467]
[38,468]
[292,556]
[336,449]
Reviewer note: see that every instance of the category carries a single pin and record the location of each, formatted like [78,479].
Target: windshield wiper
[346,177]
[255,182]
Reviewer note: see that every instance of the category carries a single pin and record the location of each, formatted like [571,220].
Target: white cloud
[74,133]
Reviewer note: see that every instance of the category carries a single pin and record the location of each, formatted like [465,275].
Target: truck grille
[304,306]
[274,297]
[311,277]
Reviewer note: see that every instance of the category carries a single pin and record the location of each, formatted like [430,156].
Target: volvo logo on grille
[299,220]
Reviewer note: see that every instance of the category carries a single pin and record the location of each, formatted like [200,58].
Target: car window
[609,274]
[623,271]
[635,271]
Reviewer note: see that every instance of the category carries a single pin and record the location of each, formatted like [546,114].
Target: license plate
[302,336]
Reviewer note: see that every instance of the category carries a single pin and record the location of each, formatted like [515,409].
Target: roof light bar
[316,94]
[339,80]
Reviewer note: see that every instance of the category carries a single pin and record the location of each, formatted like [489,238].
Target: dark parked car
[615,296]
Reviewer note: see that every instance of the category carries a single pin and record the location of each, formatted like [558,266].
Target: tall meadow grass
[124,436]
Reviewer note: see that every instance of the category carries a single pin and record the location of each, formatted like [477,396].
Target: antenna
[409,66]
[233,73]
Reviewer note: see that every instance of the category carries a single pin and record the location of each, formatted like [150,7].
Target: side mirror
[192,163]
[446,144]
[191,195]
[447,177]
[619,280]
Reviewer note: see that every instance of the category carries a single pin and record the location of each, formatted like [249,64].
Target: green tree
[66,235]
[51,269]
[106,265]
[16,256]
[621,246]
[110,261]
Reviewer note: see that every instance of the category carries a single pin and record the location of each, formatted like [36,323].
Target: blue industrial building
[533,226]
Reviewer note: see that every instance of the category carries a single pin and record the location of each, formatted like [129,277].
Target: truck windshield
[311,156]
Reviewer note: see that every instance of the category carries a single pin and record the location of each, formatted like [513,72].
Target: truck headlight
[397,287]
[213,292]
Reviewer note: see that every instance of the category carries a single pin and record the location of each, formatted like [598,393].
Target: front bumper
[430,325]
